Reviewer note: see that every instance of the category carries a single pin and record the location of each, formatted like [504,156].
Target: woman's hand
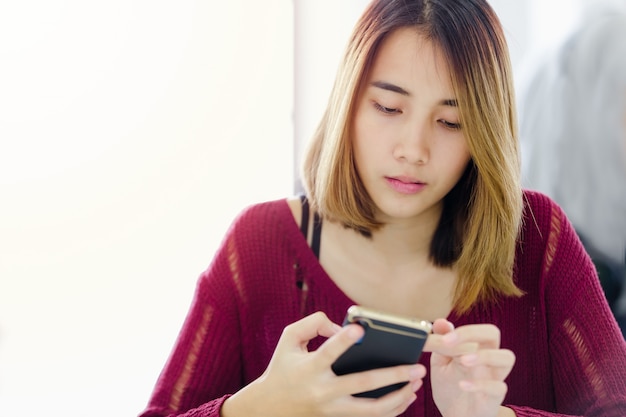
[468,369]
[301,383]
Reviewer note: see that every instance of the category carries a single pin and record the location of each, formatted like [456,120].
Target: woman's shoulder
[540,209]
[544,220]
[538,201]
[547,242]
[264,214]
[270,218]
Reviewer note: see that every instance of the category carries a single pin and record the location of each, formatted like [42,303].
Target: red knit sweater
[571,356]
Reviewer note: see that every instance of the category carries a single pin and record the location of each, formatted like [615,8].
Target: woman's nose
[412,145]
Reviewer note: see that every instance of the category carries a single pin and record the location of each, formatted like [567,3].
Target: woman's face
[409,147]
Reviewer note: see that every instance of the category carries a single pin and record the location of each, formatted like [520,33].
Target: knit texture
[571,356]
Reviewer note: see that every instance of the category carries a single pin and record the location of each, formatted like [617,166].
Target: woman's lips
[405,185]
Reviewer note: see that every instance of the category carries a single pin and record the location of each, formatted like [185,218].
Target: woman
[413,183]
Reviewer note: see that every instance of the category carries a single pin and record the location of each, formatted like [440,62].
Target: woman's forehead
[406,55]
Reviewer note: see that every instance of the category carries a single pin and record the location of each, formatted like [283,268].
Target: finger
[498,362]
[396,402]
[300,332]
[442,326]
[370,380]
[436,344]
[332,348]
[393,404]
[491,388]
[381,407]
[485,335]
[499,358]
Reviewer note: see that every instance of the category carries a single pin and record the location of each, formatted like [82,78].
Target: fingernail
[354,333]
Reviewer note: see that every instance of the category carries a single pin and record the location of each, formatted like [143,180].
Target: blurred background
[131,133]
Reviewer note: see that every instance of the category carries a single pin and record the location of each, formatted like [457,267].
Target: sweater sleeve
[204,367]
[587,349]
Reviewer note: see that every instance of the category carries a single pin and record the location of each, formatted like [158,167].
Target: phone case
[388,341]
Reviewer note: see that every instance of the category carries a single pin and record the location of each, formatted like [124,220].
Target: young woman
[414,207]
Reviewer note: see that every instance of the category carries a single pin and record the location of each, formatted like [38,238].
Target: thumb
[440,327]
[299,333]
[335,346]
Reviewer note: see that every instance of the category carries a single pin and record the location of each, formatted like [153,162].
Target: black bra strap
[317,226]
[317,234]
[304,222]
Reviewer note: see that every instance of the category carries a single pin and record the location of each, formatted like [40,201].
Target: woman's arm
[205,364]
[587,349]
[585,370]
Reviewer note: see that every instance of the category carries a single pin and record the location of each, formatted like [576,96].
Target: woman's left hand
[468,369]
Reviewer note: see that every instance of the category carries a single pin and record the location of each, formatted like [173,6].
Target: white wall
[322,28]
[131,132]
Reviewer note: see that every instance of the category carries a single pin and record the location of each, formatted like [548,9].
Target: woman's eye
[450,125]
[386,110]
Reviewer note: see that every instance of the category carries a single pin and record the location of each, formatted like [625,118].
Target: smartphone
[388,340]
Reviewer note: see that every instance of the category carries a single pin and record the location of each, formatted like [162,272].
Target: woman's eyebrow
[390,87]
[450,102]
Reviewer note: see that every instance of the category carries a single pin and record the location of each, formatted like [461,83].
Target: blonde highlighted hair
[477,233]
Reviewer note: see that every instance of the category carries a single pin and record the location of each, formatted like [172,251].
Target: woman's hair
[573,129]
[481,217]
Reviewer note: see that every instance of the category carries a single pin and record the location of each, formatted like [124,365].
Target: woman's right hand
[299,383]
